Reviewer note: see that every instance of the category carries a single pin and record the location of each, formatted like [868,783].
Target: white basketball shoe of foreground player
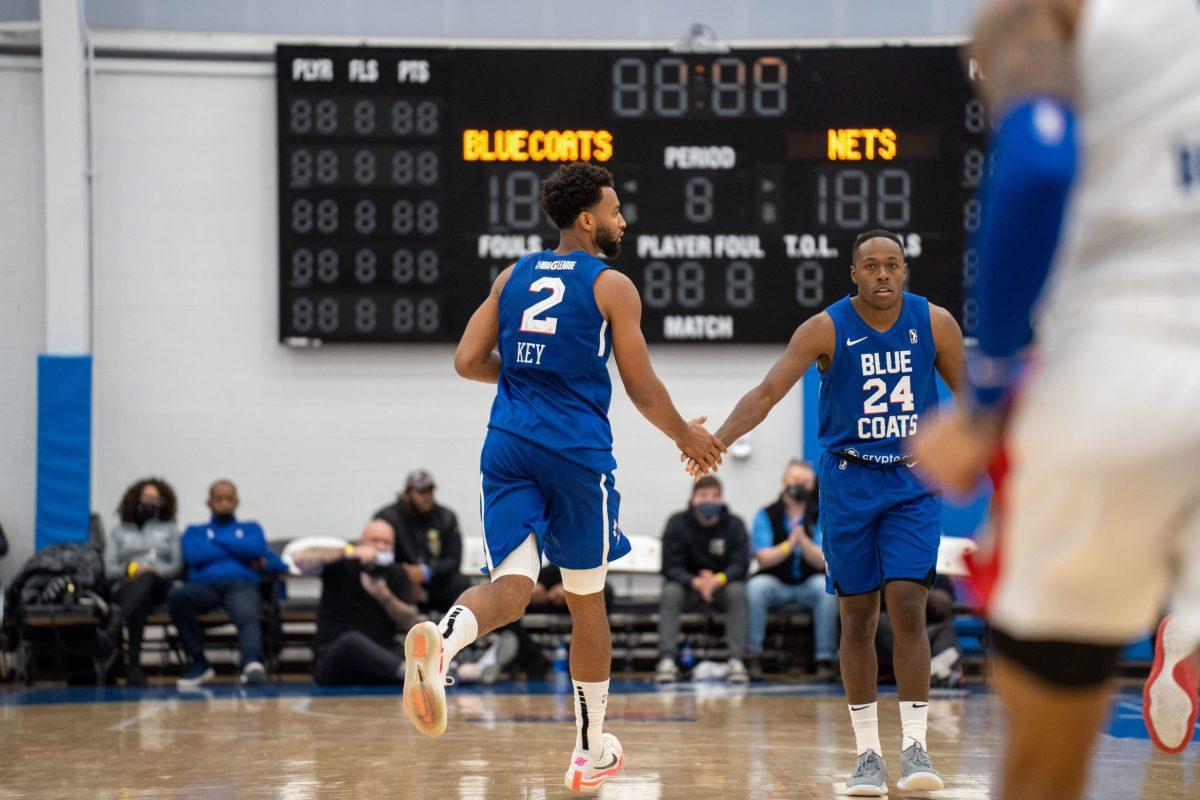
[1169,701]
[586,775]
[425,679]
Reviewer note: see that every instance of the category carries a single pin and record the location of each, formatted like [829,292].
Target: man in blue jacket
[223,558]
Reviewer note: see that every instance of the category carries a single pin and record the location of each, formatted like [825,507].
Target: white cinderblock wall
[22,300]
[189,380]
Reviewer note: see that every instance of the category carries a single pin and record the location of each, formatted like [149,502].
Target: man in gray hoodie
[142,557]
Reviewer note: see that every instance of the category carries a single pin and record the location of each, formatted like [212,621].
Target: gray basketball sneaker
[916,771]
[869,778]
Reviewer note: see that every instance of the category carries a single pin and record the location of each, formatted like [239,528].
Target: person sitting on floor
[365,598]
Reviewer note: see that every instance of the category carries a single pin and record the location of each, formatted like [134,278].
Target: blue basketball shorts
[879,524]
[572,510]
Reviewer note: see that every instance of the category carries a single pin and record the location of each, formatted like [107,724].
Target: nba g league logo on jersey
[912,335]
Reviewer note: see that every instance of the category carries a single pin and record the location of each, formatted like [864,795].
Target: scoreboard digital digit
[408,178]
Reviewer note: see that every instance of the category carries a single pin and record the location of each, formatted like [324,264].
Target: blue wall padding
[961,516]
[64,452]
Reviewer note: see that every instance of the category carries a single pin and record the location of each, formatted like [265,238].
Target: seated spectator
[223,559]
[142,557]
[428,543]
[549,596]
[944,670]
[704,565]
[786,541]
[365,597]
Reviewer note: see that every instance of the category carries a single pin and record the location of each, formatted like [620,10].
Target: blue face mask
[708,510]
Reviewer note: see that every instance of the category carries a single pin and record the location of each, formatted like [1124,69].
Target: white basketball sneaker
[425,679]
[1169,701]
[586,775]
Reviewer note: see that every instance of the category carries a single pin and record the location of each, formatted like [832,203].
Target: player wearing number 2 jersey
[877,352]
[544,335]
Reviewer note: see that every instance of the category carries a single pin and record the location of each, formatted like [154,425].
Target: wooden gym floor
[293,741]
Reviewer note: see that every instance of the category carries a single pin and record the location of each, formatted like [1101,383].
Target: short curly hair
[575,187]
[127,511]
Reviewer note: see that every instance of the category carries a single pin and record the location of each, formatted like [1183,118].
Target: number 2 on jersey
[902,395]
[529,321]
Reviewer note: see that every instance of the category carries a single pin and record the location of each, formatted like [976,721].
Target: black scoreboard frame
[408,178]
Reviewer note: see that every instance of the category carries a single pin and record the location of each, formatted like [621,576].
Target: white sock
[459,628]
[914,720]
[590,701]
[865,719]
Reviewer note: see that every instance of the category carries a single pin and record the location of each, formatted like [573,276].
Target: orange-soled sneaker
[1169,700]
[425,679]
[585,775]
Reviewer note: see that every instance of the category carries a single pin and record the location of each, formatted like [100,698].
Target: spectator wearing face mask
[223,558]
[428,542]
[142,555]
[786,541]
[365,597]
[705,555]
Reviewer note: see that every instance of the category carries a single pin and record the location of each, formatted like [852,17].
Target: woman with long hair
[142,557]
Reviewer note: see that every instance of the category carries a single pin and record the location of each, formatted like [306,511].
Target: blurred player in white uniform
[1098,110]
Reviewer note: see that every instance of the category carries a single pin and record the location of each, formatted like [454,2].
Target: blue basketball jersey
[878,384]
[554,389]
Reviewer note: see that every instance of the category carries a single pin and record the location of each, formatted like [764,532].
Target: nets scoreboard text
[408,178]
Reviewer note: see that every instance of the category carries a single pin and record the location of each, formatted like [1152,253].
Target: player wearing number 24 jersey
[878,352]
[544,335]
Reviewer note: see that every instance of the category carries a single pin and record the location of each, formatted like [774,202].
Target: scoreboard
[409,177]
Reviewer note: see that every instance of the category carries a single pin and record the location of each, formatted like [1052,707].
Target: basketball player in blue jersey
[877,351]
[543,336]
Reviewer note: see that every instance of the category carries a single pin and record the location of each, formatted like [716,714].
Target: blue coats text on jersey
[879,383]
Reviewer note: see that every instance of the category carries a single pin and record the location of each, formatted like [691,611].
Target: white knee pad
[525,560]
[584,581]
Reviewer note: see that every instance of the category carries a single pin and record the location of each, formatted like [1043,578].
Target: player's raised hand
[955,449]
[701,447]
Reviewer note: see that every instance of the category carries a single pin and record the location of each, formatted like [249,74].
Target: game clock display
[408,178]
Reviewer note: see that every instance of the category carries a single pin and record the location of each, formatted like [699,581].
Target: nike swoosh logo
[920,705]
[860,708]
[610,764]
[851,342]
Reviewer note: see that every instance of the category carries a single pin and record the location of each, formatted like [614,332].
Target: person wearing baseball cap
[428,542]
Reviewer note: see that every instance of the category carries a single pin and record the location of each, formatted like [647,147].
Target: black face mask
[144,512]
[799,493]
[223,519]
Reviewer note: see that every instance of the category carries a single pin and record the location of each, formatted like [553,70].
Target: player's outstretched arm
[476,358]
[618,300]
[813,340]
